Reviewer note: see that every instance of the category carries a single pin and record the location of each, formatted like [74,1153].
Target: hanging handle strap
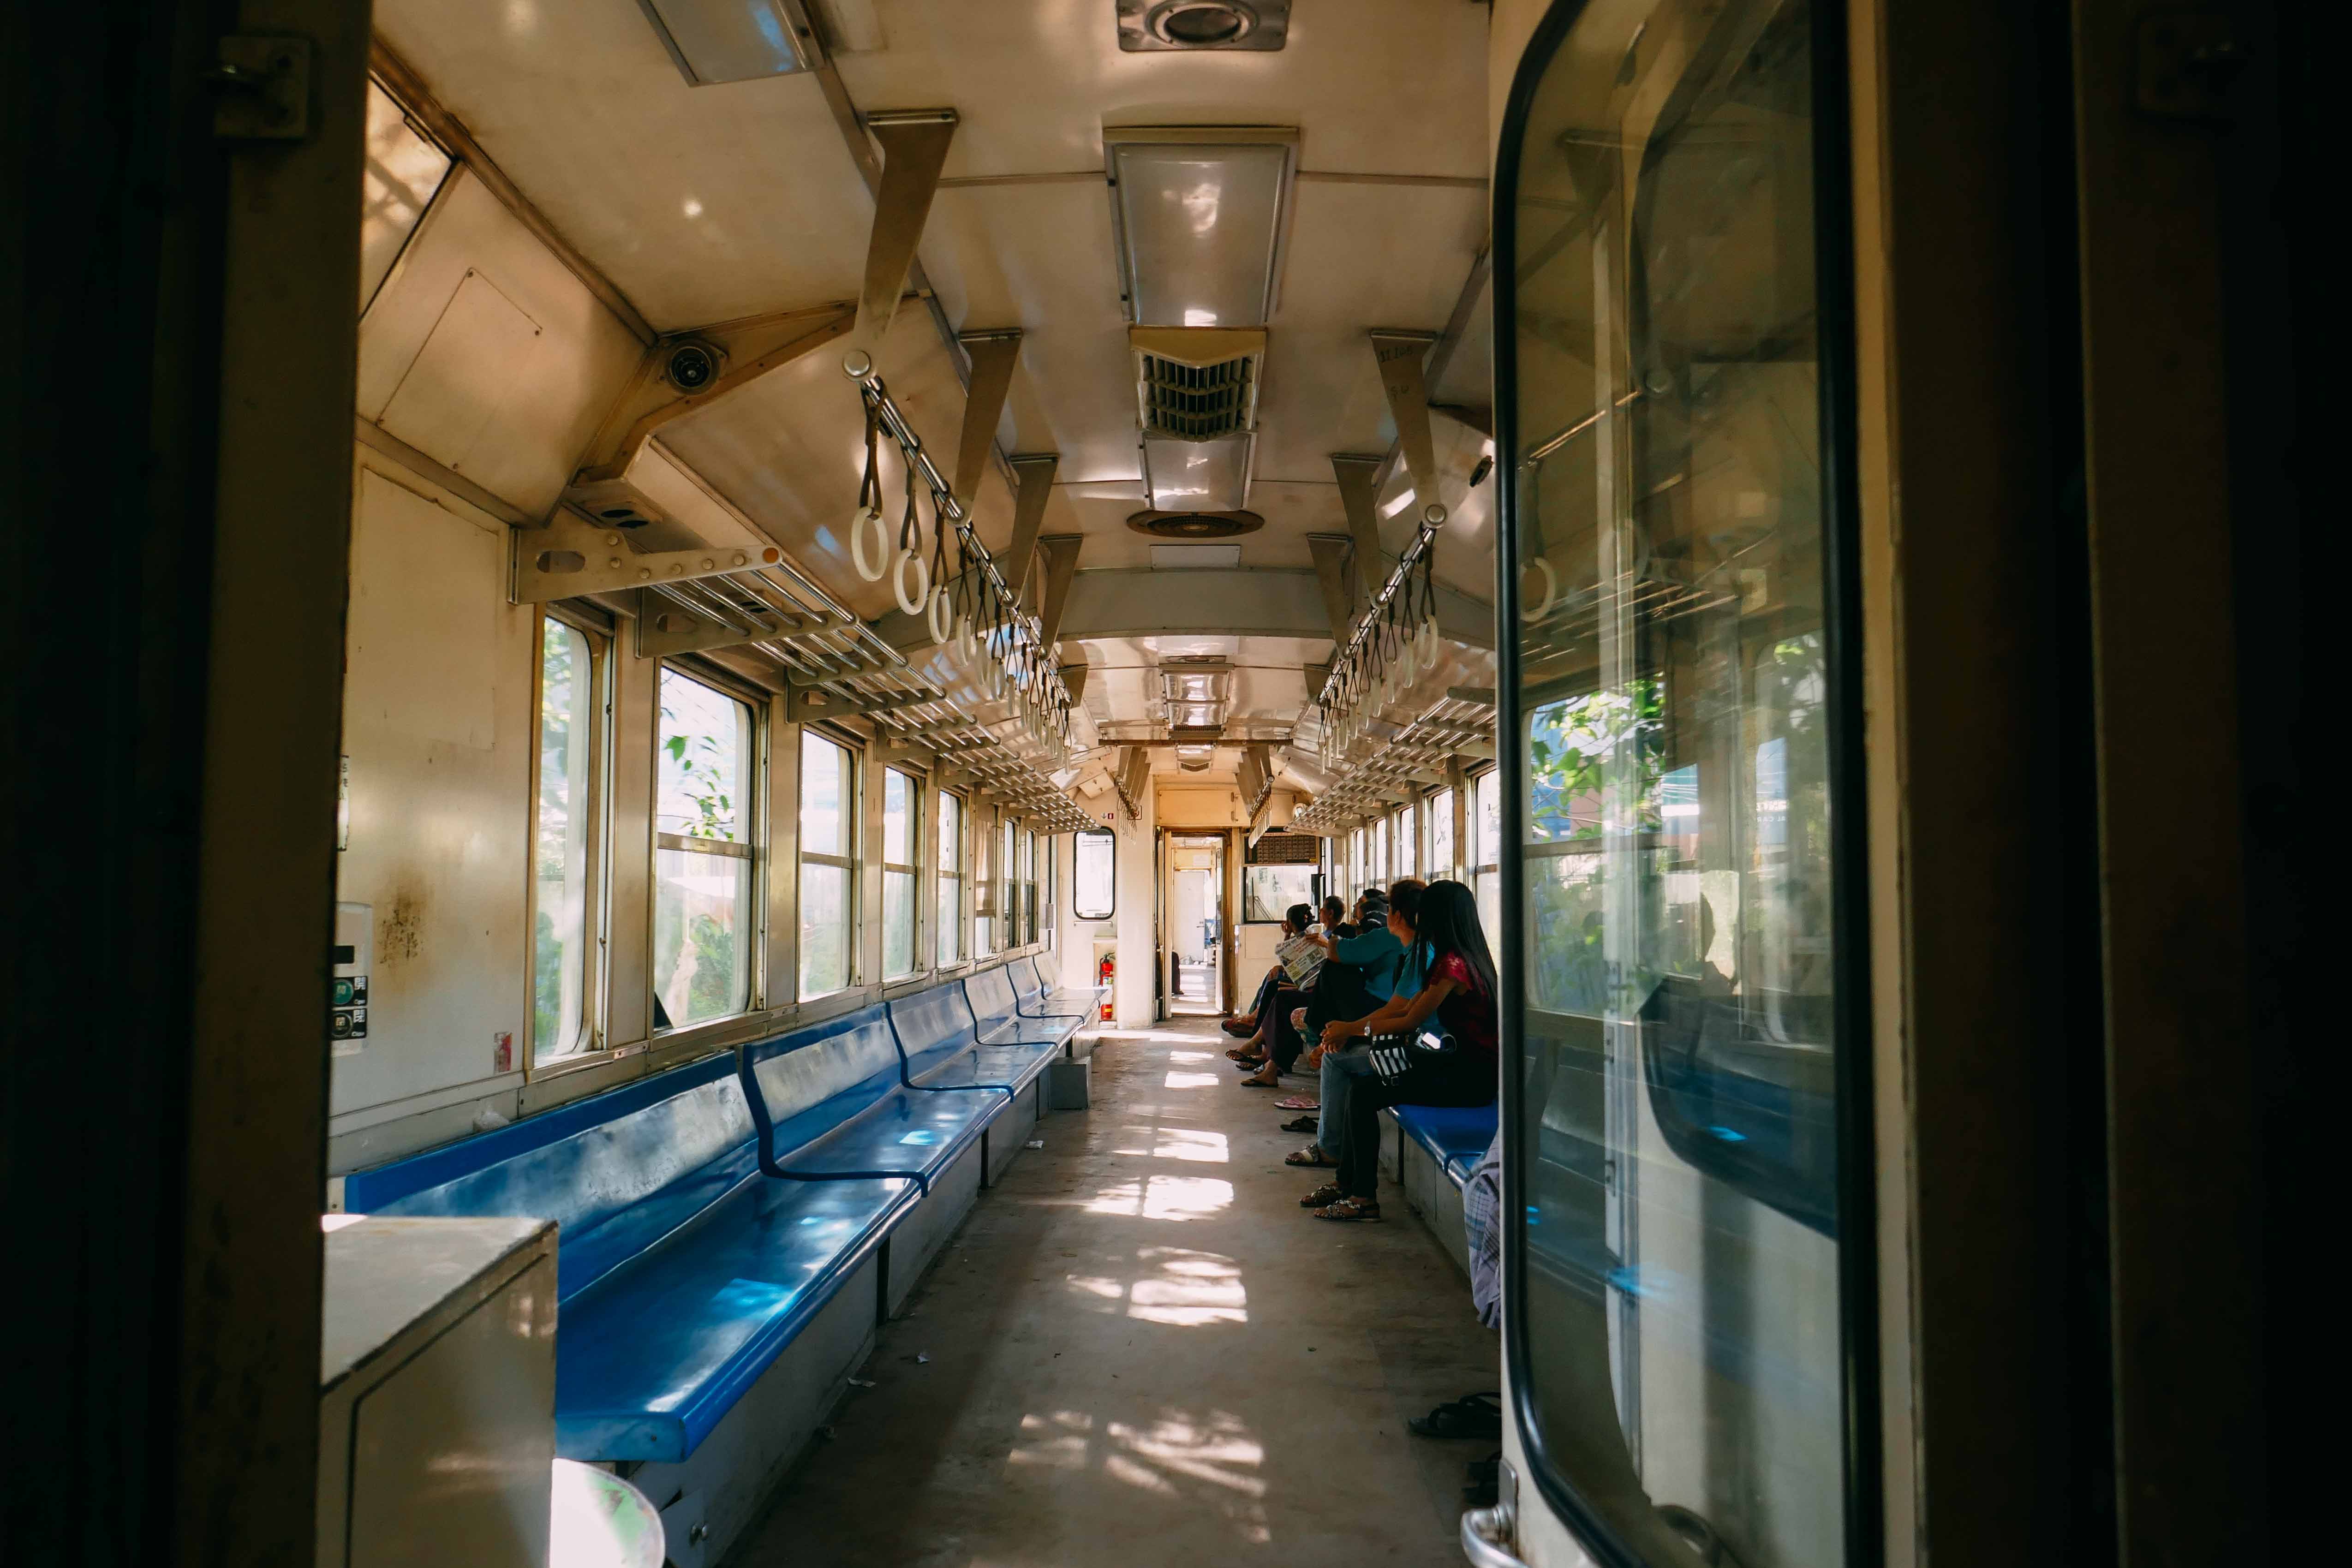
[869,489]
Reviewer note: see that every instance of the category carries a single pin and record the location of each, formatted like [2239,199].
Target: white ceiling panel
[700,203]
[1378,86]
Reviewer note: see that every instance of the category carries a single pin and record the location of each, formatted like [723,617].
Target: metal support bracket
[570,558]
[666,628]
[805,704]
[1034,470]
[995,357]
[1360,490]
[914,150]
[262,89]
[1400,355]
[1330,553]
[1061,560]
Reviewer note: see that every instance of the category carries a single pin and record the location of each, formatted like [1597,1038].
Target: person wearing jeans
[1459,994]
[1341,1069]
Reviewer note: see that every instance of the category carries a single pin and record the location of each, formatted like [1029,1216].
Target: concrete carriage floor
[1141,1352]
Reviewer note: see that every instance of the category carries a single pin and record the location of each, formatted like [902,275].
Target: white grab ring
[912,603]
[871,570]
[1430,641]
[1550,592]
[966,642]
[942,619]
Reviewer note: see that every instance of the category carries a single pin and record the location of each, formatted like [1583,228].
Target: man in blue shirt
[1359,975]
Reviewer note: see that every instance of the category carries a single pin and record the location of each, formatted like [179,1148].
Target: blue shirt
[1376,953]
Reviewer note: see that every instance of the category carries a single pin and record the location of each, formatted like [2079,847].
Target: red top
[1467,1012]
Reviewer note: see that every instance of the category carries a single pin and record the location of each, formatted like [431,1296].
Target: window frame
[1450,797]
[1857,1283]
[595,920]
[952,869]
[1076,839]
[911,869]
[753,815]
[852,816]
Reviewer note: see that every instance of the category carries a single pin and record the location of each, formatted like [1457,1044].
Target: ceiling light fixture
[1180,475]
[1199,214]
[717,41]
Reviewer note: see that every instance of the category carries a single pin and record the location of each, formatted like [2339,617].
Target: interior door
[1680,1326]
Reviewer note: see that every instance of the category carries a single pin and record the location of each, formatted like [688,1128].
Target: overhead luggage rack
[1378,773]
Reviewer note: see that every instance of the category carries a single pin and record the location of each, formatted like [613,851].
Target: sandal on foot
[1254,1082]
[1472,1415]
[1306,1123]
[1351,1208]
[1328,1193]
[1240,1028]
[1241,1053]
[1311,1155]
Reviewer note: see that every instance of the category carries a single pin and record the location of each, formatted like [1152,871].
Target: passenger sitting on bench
[1267,1019]
[1340,1067]
[1363,972]
[1296,921]
[1460,995]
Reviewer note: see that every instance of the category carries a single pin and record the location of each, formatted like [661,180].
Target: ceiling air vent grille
[1198,403]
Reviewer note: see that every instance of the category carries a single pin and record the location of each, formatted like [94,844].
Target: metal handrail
[1425,531]
[944,503]
[1484,1532]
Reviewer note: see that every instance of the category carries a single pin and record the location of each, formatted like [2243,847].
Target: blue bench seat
[940,1043]
[682,1272]
[1034,997]
[834,1100]
[997,1018]
[1455,1136]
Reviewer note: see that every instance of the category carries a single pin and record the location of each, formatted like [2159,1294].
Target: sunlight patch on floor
[1165,1197]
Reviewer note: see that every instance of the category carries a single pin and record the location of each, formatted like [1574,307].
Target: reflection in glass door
[1679,1321]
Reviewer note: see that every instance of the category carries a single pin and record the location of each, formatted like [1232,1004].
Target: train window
[1442,863]
[705,854]
[952,880]
[1487,847]
[1408,842]
[1093,894]
[1679,1329]
[1028,880]
[828,869]
[901,823]
[564,849]
[986,896]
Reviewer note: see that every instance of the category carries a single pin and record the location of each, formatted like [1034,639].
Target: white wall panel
[448,364]
[437,722]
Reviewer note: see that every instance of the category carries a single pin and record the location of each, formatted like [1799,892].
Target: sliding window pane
[705,865]
[1678,1317]
[1441,834]
[567,735]
[898,874]
[952,880]
[828,808]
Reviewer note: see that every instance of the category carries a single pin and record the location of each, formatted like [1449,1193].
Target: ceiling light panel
[1197,475]
[1198,215]
[716,41]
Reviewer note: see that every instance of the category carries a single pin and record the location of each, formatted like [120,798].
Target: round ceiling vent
[1201,24]
[1195,525]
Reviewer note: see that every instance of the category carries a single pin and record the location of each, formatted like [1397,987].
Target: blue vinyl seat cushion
[942,1051]
[996,1016]
[831,1101]
[651,1356]
[1456,1136]
[1035,997]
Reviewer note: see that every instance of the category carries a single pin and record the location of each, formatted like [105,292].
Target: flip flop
[1302,1125]
[1298,1103]
[1320,1162]
[1472,1415]
[1260,1083]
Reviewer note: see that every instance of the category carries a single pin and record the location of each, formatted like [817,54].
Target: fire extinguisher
[1104,974]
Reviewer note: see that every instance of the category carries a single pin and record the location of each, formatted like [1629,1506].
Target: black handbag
[1393,1056]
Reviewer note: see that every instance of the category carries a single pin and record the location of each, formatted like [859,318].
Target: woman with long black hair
[1458,991]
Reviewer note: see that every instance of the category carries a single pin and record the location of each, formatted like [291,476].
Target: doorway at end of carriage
[1195,956]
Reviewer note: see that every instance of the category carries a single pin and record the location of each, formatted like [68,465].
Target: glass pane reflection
[1680,1331]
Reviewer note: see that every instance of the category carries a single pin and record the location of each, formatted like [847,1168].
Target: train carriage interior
[1026,783]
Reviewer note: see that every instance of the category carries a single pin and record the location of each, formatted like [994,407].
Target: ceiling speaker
[1195,525]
